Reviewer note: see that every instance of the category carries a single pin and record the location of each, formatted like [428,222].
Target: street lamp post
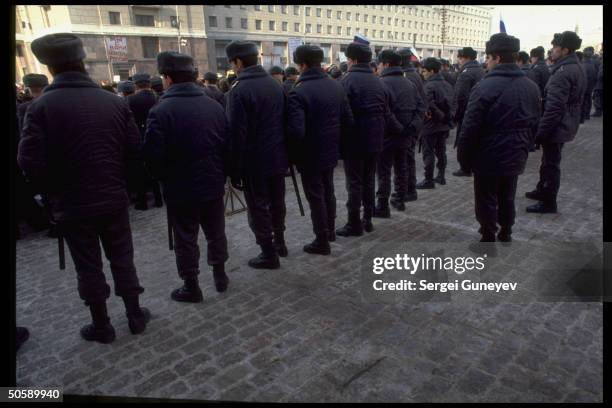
[178,26]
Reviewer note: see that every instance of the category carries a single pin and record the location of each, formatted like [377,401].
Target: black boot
[398,204]
[382,209]
[279,244]
[352,228]
[221,279]
[534,195]
[101,329]
[440,178]
[319,246]
[462,173]
[138,317]
[505,235]
[426,184]
[367,225]
[543,207]
[412,196]
[190,292]
[268,259]
[21,336]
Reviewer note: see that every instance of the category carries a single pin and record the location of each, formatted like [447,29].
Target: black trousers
[391,157]
[550,171]
[494,202]
[457,140]
[186,223]
[148,184]
[319,190]
[434,147]
[83,238]
[598,100]
[587,103]
[360,173]
[411,179]
[265,199]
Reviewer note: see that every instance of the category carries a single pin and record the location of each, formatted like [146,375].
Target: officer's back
[440,94]
[142,101]
[367,98]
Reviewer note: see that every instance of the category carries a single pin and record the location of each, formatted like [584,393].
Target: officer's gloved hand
[237,183]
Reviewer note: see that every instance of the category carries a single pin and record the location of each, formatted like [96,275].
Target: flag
[502,26]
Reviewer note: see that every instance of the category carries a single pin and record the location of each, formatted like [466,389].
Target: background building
[121,40]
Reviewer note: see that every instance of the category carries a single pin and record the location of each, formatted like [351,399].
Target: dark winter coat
[440,103]
[471,73]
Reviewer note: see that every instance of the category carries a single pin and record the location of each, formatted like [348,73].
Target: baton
[297,190]
[40,200]
[170,237]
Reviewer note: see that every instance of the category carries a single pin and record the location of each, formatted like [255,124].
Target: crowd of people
[191,134]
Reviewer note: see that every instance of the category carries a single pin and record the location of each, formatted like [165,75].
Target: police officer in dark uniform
[598,92]
[277,73]
[446,73]
[35,83]
[126,88]
[256,112]
[469,74]
[369,104]
[291,74]
[499,124]
[590,68]
[440,111]
[522,60]
[408,108]
[191,160]
[541,73]
[140,103]
[413,76]
[318,115]
[212,90]
[335,73]
[564,94]
[157,86]
[81,169]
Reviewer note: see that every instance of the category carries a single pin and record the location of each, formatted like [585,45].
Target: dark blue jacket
[406,104]
[288,85]
[563,96]
[256,113]
[76,144]
[21,111]
[526,68]
[140,103]
[499,123]
[440,103]
[590,69]
[318,114]
[212,91]
[186,145]
[471,73]
[368,98]
[414,77]
[541,73]
[599,83]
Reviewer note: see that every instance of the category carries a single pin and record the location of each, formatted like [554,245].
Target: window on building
[388,8]
[272,25]
[409,24]
[257,8]
[150,47]
[348,31]
[339,30]
[338,15]
[296,27]
[357,30]
[144,20]
[319,28]
[388,20]
[365,32]
[307,11]
[396,21]
[403,36]
[296,10]
[228,22]
[427,26]
[284,9]
[390,35]
[308,28]
[365,18]
[329,29]
[357,15]
[115,17]
[258,24]
[373,33]
[318,12]
[271,9]
[348,16]
[242,7]
[212,21]
[285,25]
[382,20]
[19,50]
[244,23]
[174,22]
[329,13]
[373,19]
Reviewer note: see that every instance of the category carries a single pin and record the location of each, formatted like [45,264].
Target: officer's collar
[71,79]
[436,77]
[470,64]
[509,69]
[361,67]
[183,89]
[391,71]
[254,71]
[409,68]
[312,73]
[568,59]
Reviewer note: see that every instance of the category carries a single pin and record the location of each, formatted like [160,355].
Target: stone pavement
[302,333]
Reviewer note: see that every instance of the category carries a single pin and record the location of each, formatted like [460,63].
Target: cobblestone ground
[302,334]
